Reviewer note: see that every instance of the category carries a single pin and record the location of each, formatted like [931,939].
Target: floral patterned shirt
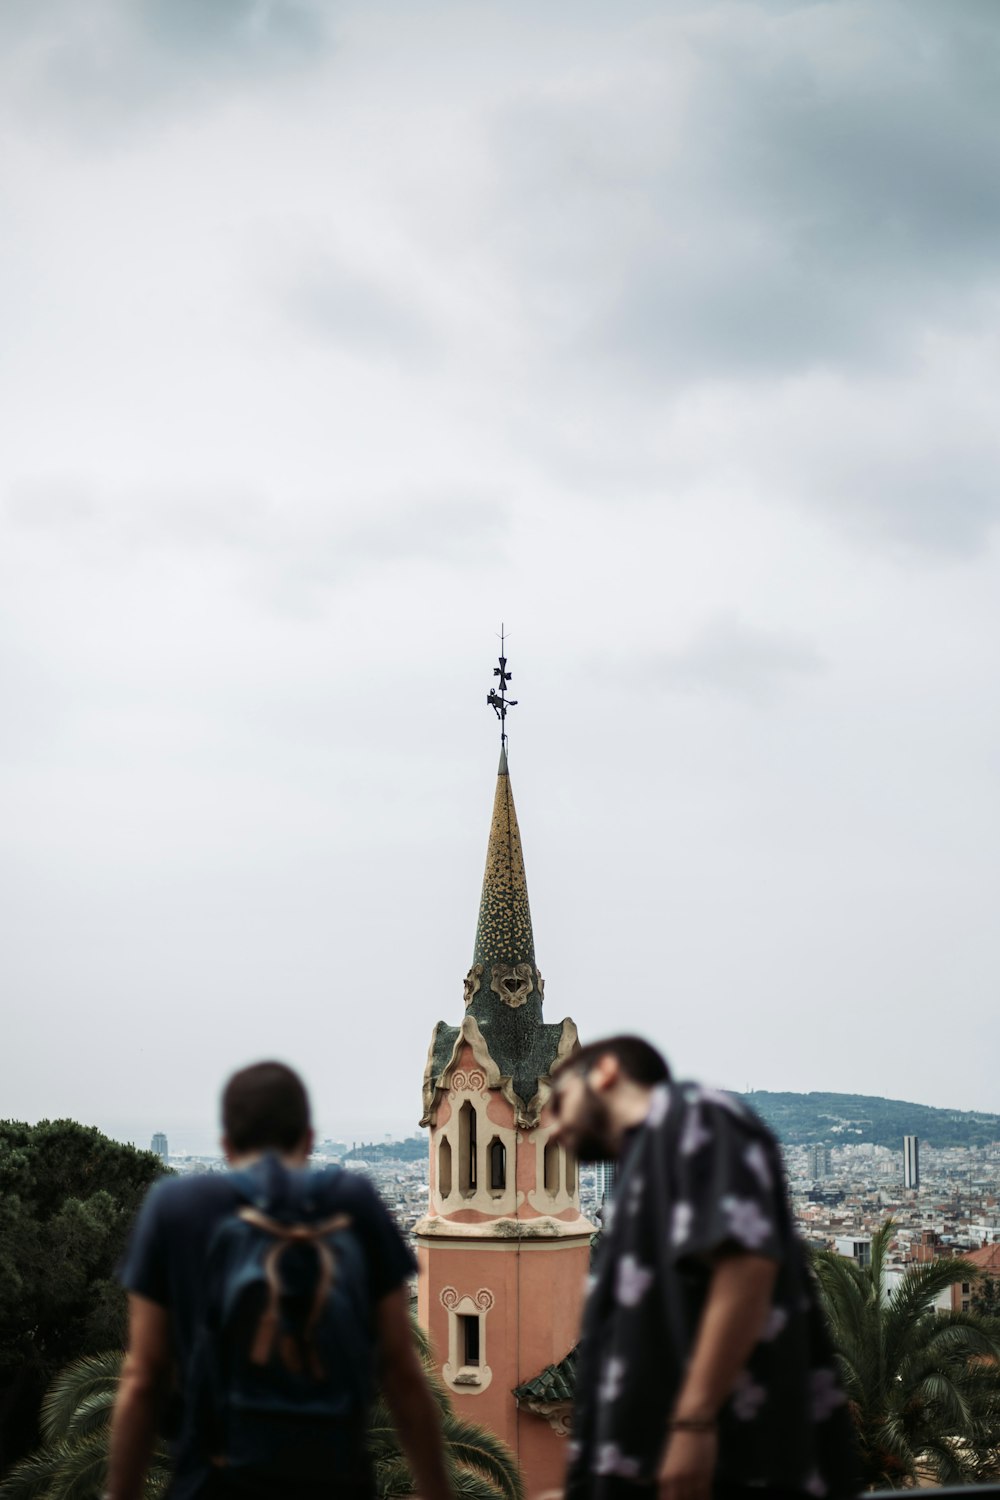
[703,1174]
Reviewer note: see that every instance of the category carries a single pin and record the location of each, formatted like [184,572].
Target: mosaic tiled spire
[503,1022]
[503,933]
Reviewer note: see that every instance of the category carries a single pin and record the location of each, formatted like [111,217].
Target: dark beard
[593,1140]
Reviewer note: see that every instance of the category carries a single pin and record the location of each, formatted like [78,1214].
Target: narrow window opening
[469,1334]
[551,1168]
[468,1148]
[570,1172]
[444,1167]
[498,1165]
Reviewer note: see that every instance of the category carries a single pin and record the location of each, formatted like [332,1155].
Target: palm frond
[32,1477]
[393,1479]
[71,1469]
[477,1448]
[93,1414]
[83,1378]
[470,1485]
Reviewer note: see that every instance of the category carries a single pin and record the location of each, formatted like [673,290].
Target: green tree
[76,1418]
[68,1195]
[986,1298]
[924,1386]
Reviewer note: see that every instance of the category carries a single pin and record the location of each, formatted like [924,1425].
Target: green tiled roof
[503,993]
[555,1383]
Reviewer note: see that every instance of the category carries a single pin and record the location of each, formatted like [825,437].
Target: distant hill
[838,1119]
[410,1150]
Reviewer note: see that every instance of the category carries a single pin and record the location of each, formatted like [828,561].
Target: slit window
[444,1167]
[570,1172]
[498,1165]
[551,1168]
[469,1335]
[468,1148]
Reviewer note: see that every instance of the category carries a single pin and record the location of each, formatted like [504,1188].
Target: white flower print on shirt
[680,1222]
[659,1103]
[634,1199]
[756,1159]
[825,1393]
[777,1319]
[632,1281]
[612,1381]
[609,1459]
[746,1222]
[748,1397]
[695,1135]
[718,1096]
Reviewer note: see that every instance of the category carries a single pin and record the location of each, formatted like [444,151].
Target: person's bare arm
[144,1382]
[413,1407]
[733,1318]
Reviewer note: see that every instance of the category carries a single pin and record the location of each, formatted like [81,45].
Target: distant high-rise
[819,1161]
[605,1176]
[911,1162]
[158,1145]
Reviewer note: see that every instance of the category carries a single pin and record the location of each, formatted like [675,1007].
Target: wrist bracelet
[692,1424]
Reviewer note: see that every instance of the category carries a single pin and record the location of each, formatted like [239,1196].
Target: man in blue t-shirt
[265,1113]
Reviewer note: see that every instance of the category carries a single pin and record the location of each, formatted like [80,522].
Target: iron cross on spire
[499,702]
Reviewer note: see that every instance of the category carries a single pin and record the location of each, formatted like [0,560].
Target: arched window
[570,1172]
[468,1149]
[497,1156]
[551,1168]
[444,1167]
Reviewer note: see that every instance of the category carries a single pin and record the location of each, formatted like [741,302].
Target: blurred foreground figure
[705,1368]
[262,1303]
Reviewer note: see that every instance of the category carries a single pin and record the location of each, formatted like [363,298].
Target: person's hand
[688,1466]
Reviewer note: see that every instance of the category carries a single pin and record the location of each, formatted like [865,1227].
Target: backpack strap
[285,1235]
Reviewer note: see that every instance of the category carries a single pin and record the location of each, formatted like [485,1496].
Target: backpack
[284,1371]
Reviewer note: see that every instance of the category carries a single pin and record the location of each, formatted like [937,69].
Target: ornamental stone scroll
[513,983]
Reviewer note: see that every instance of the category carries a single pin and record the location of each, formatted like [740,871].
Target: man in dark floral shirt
[705,1368]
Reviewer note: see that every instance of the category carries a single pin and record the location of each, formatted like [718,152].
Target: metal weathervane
[499,702]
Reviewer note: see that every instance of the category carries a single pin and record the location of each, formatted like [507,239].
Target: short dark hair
[265,1107]
[636,1058]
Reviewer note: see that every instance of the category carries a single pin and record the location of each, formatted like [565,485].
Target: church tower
[503,1249]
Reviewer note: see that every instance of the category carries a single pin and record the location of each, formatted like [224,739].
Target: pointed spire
[503,933]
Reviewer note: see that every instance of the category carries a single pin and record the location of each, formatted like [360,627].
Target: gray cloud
[297,543]
[90,68]
[812,186]
[336,307]
[663,332]
[733,658]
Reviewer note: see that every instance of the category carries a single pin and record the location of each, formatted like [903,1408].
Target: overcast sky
[333,334]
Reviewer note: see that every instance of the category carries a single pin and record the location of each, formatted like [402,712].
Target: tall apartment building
[820,1162]
[158,1145]
[605,1176]
[911,1162]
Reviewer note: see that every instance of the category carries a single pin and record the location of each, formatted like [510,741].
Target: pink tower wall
[536,1280]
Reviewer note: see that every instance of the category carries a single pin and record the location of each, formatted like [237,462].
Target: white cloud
[334,336]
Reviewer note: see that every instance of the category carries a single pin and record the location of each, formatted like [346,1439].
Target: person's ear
[605,1073]
[227,1149]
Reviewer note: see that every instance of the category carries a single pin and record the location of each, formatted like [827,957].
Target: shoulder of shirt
[727,1106]
[351,1187]
[172,1195]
